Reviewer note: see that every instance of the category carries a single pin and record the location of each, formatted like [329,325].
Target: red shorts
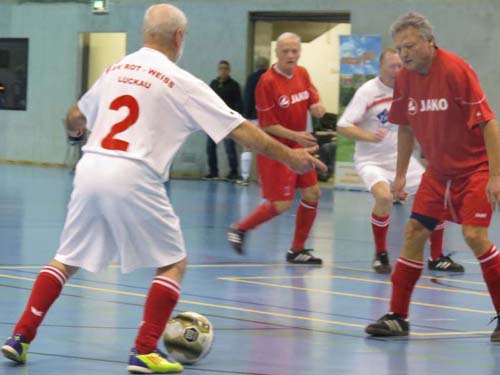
[463,201]
[279,182]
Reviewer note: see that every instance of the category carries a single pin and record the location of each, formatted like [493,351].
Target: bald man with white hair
[284,96]
[140,112]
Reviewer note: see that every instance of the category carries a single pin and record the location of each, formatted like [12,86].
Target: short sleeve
[313,91]
[355,110]
[264,102]
[89,102]
[209,112]
[399,105]
[470,96]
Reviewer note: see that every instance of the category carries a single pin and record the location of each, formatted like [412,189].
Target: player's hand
[76,137]
[398,188]
[301,161]
[305,139]
[317,110]
[379,135]
[493,191]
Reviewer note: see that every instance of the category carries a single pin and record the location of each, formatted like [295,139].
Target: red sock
[405,276]
[380,226]
[490,265]
[46,289]
[437,241]
[306,213]
[162,298]
[261,214]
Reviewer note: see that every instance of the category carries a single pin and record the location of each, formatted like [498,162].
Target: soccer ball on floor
[188,337]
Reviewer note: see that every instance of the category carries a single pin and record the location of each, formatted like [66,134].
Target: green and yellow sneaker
[155,362]
[16,348]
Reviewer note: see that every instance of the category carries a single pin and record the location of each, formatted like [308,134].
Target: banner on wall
[358,63]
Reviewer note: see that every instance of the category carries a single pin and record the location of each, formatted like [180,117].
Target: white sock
[245,164]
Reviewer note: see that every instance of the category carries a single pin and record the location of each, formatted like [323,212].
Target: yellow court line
[458,281]
[354,295]
[362,279]
[276,265]
[258,312]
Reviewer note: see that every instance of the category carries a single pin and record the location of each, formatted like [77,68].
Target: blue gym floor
[270,318]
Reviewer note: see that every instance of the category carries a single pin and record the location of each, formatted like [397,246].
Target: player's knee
[311,195]
[282,206]
[475,237]
[384,200]
[415,230]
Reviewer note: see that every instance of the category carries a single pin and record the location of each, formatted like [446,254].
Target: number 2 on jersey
[110,142]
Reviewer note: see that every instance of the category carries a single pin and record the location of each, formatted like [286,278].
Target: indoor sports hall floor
[270,318]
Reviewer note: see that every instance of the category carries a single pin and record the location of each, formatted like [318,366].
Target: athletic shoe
[233,177]
[445,263]
[242,182]
[389,325]
[381,264]
[495,336]
[16,348]
[236,238]
[211,176]
[155,362]
[303,256]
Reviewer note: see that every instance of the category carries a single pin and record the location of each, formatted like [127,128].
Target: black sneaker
[211,176]
[381,264]
[233,177]
[389,325]
[303,256]
[445,263]
[495,336]
[236,238]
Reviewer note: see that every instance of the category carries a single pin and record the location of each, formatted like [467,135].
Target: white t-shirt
[369,109]
[145,106]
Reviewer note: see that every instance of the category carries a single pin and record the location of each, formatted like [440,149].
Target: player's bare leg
[380,219]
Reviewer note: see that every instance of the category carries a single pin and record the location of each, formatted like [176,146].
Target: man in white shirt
[365,120]
[140,111]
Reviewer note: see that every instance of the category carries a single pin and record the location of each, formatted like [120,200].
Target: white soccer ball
[188,337]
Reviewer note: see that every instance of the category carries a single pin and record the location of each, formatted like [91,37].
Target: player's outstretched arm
[299,160]
[357,134]
[304,139]
[491,136]
[75,122]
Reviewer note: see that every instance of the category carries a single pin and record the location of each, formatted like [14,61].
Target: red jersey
[444,108]
[283,100]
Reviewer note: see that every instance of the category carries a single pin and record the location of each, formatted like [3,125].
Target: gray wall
[217,29]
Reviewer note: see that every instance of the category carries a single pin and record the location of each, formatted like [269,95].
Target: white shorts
[119,210]
[372,173]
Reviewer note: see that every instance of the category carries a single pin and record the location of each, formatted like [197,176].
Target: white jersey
[369,109]
[145,106]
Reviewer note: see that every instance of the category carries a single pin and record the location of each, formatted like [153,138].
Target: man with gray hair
[284,96]
[365,120]
[140,112]
[438,101]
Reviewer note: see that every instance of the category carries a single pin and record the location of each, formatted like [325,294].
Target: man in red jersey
[439,102]
[283,97]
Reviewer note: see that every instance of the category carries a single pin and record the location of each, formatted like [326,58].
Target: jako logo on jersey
[284,101]
[301,96]
[427,105]
[412,106]
[433,105]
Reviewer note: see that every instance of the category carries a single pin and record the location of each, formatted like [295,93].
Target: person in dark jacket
[229,91]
